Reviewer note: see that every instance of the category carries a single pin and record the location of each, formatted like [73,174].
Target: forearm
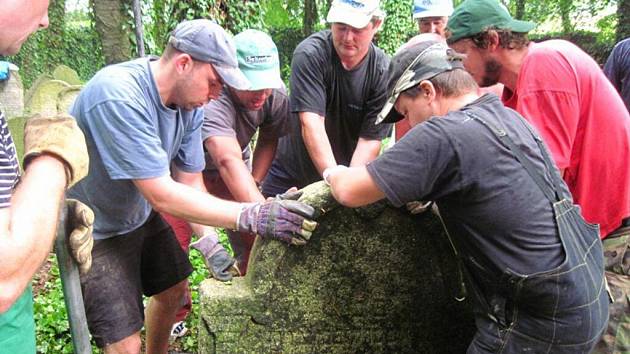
[193,205]
[366,151]
[194,181]
[353,186]
[316,141]
[29,226]
[239,180]
[263,157]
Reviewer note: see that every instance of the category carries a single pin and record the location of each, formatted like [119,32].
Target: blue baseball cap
[257,57]
[206,41]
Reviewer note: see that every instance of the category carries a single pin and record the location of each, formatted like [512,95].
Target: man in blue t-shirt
[534,267]
[55,158]
[142,121]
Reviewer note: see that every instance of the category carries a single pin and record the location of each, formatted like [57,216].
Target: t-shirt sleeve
[374,104]
[190,157]
[618,64]
[276,123]
[610,69]
[126,141]
[8,164]
[218,118]
[548,98]
[308,91]
[421,166]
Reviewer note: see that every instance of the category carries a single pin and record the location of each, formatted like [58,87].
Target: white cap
[355,13]
[432,8]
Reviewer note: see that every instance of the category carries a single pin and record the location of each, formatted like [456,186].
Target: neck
[511,61]
[350,63]
[449,104]
[162,77]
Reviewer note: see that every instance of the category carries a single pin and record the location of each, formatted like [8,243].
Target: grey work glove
[80,239]
[60,136]
[288,221]
[221,265]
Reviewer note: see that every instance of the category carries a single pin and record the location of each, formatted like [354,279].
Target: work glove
[60,136]
[288,221]
[80,241]
[221,265]
[418,207]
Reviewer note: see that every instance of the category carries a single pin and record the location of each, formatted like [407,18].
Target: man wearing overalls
[534,266]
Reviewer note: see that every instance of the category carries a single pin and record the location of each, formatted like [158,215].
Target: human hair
[451,83]
[169,52]
[507,38]
[376,19]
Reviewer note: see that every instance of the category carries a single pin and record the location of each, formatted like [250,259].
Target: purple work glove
[289,221]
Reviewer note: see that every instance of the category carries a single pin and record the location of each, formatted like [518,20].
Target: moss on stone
[374,279]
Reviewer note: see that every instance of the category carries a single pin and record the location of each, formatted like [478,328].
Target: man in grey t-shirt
[229,124]
[338,86]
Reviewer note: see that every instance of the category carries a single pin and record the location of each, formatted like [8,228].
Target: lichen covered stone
[43,97]
[66,74]
[370,280]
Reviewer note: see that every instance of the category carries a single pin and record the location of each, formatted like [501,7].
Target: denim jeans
[562,310]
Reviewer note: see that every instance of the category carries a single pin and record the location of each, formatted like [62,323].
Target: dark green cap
[475,16]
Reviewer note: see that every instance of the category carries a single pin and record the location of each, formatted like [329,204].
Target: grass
[51,319]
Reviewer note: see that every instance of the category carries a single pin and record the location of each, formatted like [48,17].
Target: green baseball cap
[475,16]
[257,57]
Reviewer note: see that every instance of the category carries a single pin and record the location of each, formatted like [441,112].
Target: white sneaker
[179,330]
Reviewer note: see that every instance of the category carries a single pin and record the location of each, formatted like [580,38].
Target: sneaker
[179,330]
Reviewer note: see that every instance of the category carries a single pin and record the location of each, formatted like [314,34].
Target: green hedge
[78,48]
[590,42]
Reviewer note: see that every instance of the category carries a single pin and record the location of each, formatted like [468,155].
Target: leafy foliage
[398,26]
[78,47]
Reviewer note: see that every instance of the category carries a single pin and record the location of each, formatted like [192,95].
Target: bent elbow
[8,296]
[346,198]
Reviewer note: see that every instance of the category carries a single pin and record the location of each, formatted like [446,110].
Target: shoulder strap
[553,194]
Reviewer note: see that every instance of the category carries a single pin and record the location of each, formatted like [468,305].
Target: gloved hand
[418,207]
[221,265]
[61,136]
[289,221]
[80,241]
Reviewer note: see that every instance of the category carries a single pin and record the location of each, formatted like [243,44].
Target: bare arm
[194,180]
[316,141]
[227,156]
[354,187]
[28,226]
[366,151]
[263,156]
[188,203]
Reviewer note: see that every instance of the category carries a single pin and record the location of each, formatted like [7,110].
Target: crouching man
[533,265]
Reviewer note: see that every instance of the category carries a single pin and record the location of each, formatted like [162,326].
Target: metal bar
[137,15]
[71,284]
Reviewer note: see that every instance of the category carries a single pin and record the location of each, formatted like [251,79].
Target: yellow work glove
[59,135]
[80,241]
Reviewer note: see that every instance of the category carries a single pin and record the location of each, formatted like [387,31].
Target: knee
[128,345]
[174,294]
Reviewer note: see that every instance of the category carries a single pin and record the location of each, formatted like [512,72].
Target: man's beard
[491,74]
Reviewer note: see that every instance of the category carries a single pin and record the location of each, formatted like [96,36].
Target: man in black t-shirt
[534,267]
[338,82]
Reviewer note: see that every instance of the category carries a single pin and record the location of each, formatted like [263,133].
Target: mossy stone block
[66,74]
[370,280]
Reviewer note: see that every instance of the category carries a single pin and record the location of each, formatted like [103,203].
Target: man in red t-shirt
[581,118]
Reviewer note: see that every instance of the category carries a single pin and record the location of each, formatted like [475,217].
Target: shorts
[145,261]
